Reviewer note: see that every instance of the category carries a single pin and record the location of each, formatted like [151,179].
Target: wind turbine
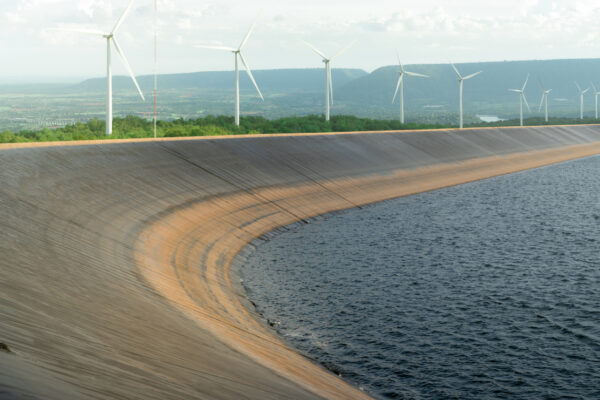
[581,93]
[461,80]
[400,86]
[522,97]
[110,37]
[596,93]
[328,83]
[237,52]
[545,94]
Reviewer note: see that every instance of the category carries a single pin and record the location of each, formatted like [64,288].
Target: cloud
[532,19]
[506,29]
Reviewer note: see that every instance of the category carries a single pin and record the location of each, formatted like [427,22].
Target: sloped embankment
[114,267]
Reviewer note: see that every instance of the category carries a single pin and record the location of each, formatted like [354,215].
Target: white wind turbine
[581,93]
[545,94]
[461,80]
[237,52]
[596,93]
[328,83]
[110,37]
[400,86]
[522,97]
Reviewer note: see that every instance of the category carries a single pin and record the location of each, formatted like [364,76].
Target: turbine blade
[215,47]
[397,87]
[345,49]
[585,91]
[578,87]
[415,74]
[515,90]
[83,31]
[525,100]
[126,64]
[399,62]
[548,91]
[122,18]
[315,49]
[594,86]
[472,75]
[542,102]
[541,85]
[456,70]
[249,31]
[251,76]
[525,84]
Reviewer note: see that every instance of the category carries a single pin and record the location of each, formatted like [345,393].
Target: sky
[427,31]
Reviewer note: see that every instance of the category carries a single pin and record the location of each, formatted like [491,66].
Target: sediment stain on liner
[186,255]
[101,244]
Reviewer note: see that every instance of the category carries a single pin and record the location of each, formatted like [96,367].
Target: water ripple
[489,290]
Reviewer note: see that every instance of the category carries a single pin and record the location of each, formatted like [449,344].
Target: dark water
[483,291]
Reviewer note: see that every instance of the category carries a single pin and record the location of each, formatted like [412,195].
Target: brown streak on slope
[115,257]
[187,254]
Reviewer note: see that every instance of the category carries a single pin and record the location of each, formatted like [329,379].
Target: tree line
[136,127]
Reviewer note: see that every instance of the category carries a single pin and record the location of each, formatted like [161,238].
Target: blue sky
[429,31]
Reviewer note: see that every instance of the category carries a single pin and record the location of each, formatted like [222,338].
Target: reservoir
[484,290]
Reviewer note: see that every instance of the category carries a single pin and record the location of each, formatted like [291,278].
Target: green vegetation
[136,127]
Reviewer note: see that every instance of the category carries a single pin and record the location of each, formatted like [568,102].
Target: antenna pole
[109,108]
[460,107]
[237,91]
[155,63]
[327,83]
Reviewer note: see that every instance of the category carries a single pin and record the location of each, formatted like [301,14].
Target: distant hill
[299,92]
[276,80]
[484,94]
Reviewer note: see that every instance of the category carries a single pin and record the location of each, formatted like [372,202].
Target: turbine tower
[110,38]
[237,52]
[581,93]
[461,80]
[400,86]
[522,97]
[328,83]
[545,94]
[596,93]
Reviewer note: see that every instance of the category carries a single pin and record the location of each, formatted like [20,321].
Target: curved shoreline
[250,336]
[116,257]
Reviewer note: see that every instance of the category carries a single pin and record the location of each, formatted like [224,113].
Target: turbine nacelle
[545,94]
[522,97]
[401,74]
[582,92]
[522,94]
[238,53]
[110,37]
[464,78]
[328,78]
[461,80]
